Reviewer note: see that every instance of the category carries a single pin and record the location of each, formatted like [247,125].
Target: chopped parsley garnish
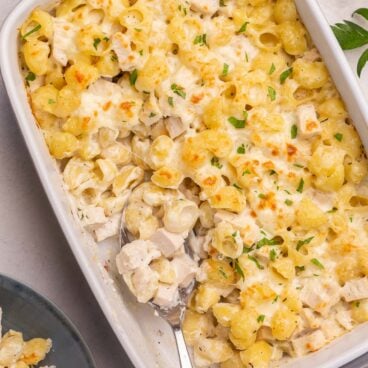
[225,70]
[133,77]
[317,263]
[271,93]
[262,196]
[152,115]
[246,172]
[273,255]
[170,100]
[288,202]
[33,30]
[137,29]
[241,150]
[299,165]
[276,299]
[300,186]
[237,186]
[255,260]
[357,304]
[51,101]
[300,268]
[114,57]
[201,40]
[261,318]
[223,274]
[273,172]
[246,57]
[238,269]
[30,77]
[96,42]
[304,242]
[178,90]
[222,3]
[265,241]
[243,28]
[216,162]
[332,210]
[238,123]
[272,69]
[338,137]
[285,75]
[293,131]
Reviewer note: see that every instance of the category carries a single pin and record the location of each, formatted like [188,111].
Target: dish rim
[8,33]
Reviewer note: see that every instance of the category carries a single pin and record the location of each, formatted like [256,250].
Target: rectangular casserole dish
[146,339]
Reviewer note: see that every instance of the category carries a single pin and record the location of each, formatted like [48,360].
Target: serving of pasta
[216,118]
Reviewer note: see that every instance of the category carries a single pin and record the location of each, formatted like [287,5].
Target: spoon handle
[185,361]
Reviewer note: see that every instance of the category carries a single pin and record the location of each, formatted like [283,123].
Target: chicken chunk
[308,123]
[209,7]
[311,342]
[64,46]
[168,243]
[355,289]
[166,296]
[145,283]
[109,229]
[174,126]
[185,269]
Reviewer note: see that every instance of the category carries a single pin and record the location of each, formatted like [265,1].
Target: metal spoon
[175,315]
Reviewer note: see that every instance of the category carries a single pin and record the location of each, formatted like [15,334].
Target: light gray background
[32,246]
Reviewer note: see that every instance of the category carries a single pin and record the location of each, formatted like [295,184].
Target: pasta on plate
[218,117]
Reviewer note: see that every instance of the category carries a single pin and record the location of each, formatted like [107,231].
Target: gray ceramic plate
[26,311]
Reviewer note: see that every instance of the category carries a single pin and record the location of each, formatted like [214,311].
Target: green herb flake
[114,57]
[246,57]
[285,75]
[201,40]
[299,165]
[241,150]
[243,28]
[265,241]
[178,90]
[271,93]
[96,42]
[357,304]
[51,101]
[293,131]
[137,29]
[237,123]
[272,69]
[238,269]
[237,186]
[223,273]
[332,210]
[216,162]
[133,77]
[222,3]
[141,52]
[273,255]
[261,318]
[255,260]
[170,101]
[246,172]
[273,172]
[317,263]
[262,196]
[152,115]
[276,299]
[303,242]
[300,186]
[338,137]
[225,70]
[288,202]
[33,30]
[30,77]
[300,268]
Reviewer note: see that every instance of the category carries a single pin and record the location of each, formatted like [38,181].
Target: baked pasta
[217,117]
[17,353]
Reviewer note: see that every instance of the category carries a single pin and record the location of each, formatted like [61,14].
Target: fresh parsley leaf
[276,299]
[265,241]
[51,101]
[223,273]
[246,172]
[361,62]
[179,90]
[271,93]
[114,57]
[293,131]
[215,162]
[288,202]
[237,186]
[317,263]
[241,150]
[30,77]
[273,255]
[138,29]
[262,196]
[225,70]
[300,186]
[238,269]
[304,242]
[133,77]
[261,318]
[273,172]
[246,57]
[236,123]
[285,75]
[357,304]
[170,100]
[350,35]
[299,165]
[243,28]
[152,115]
[222,3]
[33,30]
[201,40]
[255,260]
[299,268]
[96,42]
[338,137]
[362,11]
[272,69]
[141,52]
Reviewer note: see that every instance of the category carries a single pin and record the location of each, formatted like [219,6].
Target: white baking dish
[146,339]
